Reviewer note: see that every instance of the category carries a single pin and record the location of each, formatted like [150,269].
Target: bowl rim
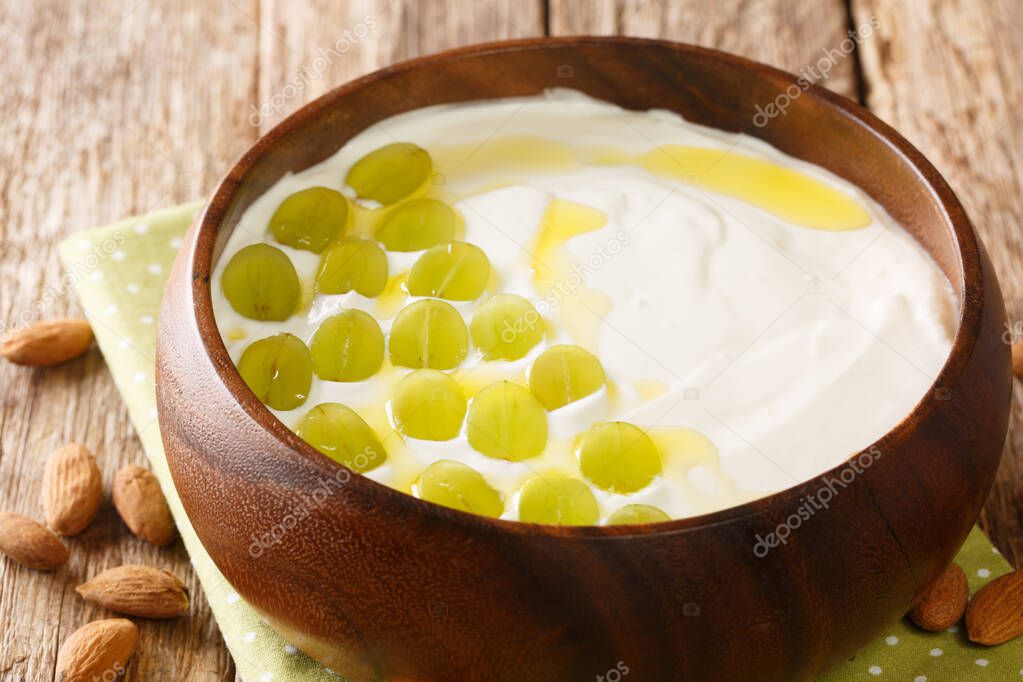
[966,245]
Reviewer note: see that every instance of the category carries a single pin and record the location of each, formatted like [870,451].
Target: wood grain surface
[114,108]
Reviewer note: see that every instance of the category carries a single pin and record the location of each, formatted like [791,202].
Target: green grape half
[348,346]
[279,371]
[390,173]
[632,514]
[619,457]
[418,224]
[429,405]
[353,265]
[341,434]
[506,422]
[506,327]
[564,374]
[457,271]
[310,219]
[430,334]
[260,282]
[458,486]
[558,499]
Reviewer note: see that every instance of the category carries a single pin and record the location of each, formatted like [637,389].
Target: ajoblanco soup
[556,310]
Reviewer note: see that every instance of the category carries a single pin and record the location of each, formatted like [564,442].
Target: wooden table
[114,108]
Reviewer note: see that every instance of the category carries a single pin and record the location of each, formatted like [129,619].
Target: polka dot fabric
[904,652]
[119,273]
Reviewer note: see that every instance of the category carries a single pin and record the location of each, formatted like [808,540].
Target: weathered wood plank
[946,74]
[308,48]
[108,109]
[789,35]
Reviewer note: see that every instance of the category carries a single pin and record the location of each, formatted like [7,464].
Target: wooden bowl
[381,586]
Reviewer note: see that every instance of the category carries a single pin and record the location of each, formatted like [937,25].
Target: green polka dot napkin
[119,273]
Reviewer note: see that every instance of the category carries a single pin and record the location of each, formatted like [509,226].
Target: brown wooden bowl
[380,585]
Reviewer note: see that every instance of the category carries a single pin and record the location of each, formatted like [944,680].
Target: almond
[48,343]
[140,502]
[944,601]
[72,489]
[995,614]
[97,651]
[1017,359]
[137,591]
[30,543]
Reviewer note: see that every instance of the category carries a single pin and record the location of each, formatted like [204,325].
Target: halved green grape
[429,405]
[418,224]
[390,173]
[558,499]
[429,334]
[458,486]
[637,513]
[279,371]
[564,374]
[310,219]
[347,347]
[619,457]
[341,434]
[506,327]
[457,271]
[260,282]
[353,265]
[506,422]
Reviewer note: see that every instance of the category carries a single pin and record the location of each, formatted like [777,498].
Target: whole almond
[137,591]
[995,614]
[72,489]
[97,651]
[48,343]
[944,601]
[30,543]
[140,502]
[1017,359]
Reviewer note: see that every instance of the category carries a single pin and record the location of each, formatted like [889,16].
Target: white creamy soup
[711,320]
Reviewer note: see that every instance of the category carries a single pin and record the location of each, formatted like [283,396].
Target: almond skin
[137,591]
[1017,359]
[72,489]
[30,543]
[140,502]
[97,651]
[944,601]
[48,343]
[995,614]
